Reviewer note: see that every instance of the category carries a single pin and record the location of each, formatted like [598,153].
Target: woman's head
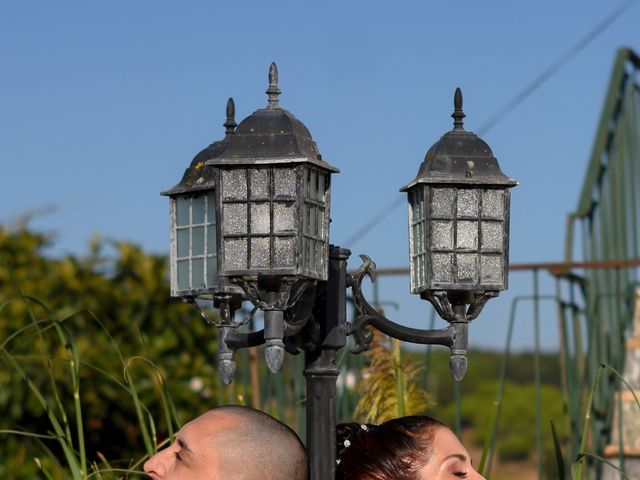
[407,448]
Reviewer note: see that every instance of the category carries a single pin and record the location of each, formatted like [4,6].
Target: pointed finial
[458,366]
[458,114]
[230,125]
[273,91]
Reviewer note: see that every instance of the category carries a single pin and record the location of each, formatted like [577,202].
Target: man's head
[231,443]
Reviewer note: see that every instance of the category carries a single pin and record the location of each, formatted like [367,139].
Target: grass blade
[562,475]
[603,460]
[489,439]
[585,427]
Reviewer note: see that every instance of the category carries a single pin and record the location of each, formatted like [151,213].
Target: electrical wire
[525,93]
[554,67]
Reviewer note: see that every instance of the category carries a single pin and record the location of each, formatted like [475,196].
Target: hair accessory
[346,443]
[364,427]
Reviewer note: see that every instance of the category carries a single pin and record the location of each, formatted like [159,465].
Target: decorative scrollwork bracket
[451,307]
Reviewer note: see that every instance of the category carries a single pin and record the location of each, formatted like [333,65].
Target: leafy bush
[87,333]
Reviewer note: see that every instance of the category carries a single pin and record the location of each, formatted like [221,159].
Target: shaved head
[232,443]
[257,447]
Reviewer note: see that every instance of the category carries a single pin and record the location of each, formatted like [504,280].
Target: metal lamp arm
[455,336]
[363,337]
[370,316]
[236,340]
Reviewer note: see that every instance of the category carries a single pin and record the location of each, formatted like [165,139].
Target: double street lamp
[250,221]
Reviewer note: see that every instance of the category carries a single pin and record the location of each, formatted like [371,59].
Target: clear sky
[103,105]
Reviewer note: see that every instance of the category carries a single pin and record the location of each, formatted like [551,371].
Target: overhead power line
[375,220]
[554,67]
[525,93]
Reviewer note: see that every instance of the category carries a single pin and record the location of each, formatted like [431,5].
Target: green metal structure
[604,227]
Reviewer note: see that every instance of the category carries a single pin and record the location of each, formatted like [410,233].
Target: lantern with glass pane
[194,257]
[459,221]
[273,204]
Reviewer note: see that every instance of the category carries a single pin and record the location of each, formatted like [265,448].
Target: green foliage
[93,338]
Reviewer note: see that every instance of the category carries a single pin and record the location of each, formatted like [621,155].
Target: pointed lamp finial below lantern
[273,91]
[458,114]
[230,125]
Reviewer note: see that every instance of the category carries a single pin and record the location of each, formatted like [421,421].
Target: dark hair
[394,450]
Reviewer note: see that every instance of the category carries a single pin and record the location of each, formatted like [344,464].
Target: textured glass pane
[320,222]
[260,218]
[235,218]
[467,235]
[260,183]
[260,254]
[412,213]
[183,242]
[442,236]
[305,219]
[212,271]
[182,211]
[442,202]
[211,207]
[492,235]
[416,205]
[235,253]
[197,210]
[414,272]
[313,225]
[441,267]
[318,256]
[284,182]
[183,275]
[493,204]
[468,201]
[322,258]
[414,240]
[311,178]
[234,184]
[284,251]
[283,217]
[303,253]
[492,269]
[310,254]
[467,268]
[197,273]
[321,187]
[211,240]
[197,241]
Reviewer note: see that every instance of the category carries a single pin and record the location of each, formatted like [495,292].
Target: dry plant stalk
[388,385]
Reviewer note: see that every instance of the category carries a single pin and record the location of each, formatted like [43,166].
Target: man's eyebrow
[183,446]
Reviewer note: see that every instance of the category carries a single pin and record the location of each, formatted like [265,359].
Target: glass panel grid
[195,250]
[475,220]
[314,221]
[417,240]
[260,230]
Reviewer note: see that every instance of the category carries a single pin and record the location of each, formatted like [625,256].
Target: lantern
[273,204]
[459,216]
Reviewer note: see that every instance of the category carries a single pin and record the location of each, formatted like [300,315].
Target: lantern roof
[198,176]
[271,135]
[460,157]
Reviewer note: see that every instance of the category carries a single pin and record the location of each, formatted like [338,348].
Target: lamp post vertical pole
[326,335]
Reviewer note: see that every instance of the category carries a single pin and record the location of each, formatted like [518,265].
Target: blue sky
[103,105]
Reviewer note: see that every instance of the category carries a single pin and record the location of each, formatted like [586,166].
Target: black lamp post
[250,219]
